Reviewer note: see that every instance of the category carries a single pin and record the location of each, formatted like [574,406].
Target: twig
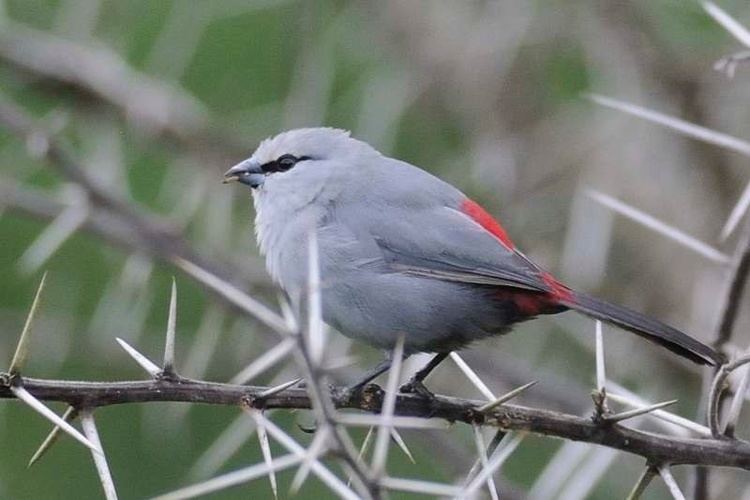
[655,448]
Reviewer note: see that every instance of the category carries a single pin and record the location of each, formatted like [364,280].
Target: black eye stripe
[282,163]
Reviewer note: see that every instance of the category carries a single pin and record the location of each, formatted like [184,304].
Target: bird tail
[648,328]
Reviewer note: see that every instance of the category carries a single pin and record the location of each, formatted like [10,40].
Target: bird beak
[246,172]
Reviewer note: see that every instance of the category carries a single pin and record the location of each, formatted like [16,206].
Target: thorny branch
[653,447]
[167,244]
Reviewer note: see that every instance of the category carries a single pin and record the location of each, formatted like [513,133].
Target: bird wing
[454,243]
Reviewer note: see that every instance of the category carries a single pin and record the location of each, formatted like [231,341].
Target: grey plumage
[399,254]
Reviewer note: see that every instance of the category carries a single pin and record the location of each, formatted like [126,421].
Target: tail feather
[643,326]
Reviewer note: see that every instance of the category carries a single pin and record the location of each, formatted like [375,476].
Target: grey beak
[247,172]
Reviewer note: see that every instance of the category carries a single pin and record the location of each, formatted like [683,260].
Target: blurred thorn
[437,490]
[22,349]
[341,362]
[738,400]
[728,64]
[669,480]
[601,377]
[660,227]
[482,459]
[230,479]
[363,450]
[632,399]
[472,376]
[363,420]
[139,358]
[568,458]
[263,363]
[643,481]
[738,211]
[51,438]
[234,296]
[53,237]
[288,314]
[625,415]
[506,397]
[168,366]
[232,438]
[383,437]
[496,440]
[314,450]
[686,128]
[402,444]
[279,388]
[100,460]
[729,23]
[39,407]
[265,448]
[320,470]
[498,458]
[587,475]
[315,328]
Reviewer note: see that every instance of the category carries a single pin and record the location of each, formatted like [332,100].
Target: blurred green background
[487,95]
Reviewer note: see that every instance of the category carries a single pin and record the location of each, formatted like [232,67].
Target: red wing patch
[481,217]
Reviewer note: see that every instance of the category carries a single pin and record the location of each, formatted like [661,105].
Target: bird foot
[417,388]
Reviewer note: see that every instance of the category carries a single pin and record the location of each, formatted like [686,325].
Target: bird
[404,254]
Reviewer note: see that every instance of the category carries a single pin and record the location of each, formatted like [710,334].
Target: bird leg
[372,374]
[415,384]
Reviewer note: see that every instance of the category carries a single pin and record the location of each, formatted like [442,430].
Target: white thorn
[53,237]
[316,448]
[472,376]
[53,417]
[496,461]
[320,470]
[232,438]
[506,397]
[139,358]
[234,295]
[660,227]
[686,128]
[625,415]
[100,460]
[729,23]
[362,420]
[22,349]
[420,487]
[380,454]
[232,479]
[481,451]
[265,448]
[279,388]
[601,376]
[51,438]
[668,478]
[634,400]
[363,450]
[266,361]
[171,328]
[402,444]
[735,216]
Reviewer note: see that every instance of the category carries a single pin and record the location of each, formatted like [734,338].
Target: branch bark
[656,449]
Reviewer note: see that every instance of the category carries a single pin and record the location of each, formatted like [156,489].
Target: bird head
[295,149]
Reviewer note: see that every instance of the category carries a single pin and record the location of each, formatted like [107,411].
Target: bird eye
[285,162]
[282,163]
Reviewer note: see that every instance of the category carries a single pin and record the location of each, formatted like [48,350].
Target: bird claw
[417,388]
